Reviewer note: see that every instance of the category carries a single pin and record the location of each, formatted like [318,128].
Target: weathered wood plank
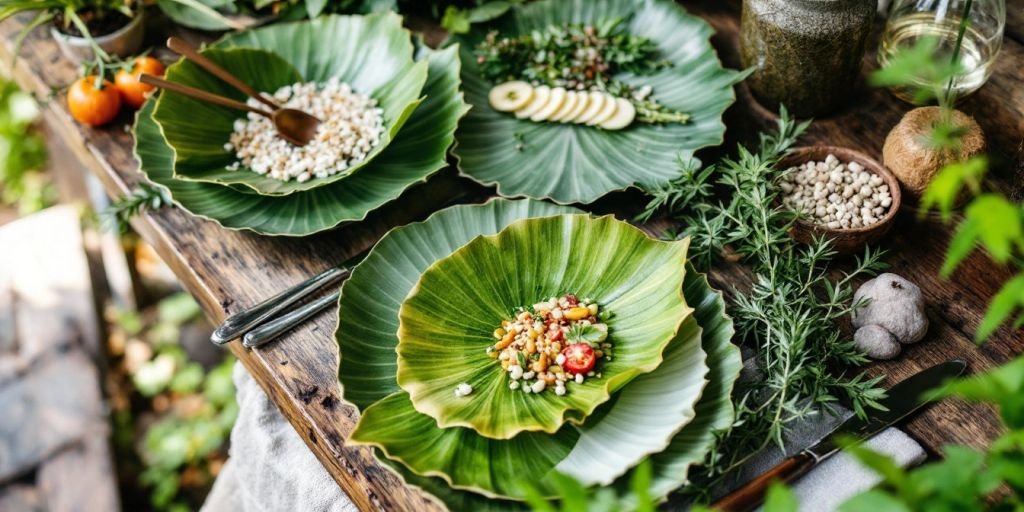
[227,271]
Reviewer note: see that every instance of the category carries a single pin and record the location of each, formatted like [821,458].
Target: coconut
[909,156]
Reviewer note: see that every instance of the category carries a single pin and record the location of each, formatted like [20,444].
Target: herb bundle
[579,57]
[789,315]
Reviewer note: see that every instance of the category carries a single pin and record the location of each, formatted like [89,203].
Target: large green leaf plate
[372,53]
[447,320]
[578,164]
[368,321]
[418,152]
[714,413]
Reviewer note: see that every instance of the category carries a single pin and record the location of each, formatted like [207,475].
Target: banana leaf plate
[578,164]
[599,452]
[417,152]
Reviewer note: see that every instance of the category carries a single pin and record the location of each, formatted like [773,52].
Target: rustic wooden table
[228,271]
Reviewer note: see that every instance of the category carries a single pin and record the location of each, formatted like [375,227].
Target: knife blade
[901,401]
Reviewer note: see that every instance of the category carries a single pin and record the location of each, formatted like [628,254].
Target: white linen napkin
[269,468]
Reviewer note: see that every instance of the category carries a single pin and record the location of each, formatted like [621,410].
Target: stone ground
[54,449]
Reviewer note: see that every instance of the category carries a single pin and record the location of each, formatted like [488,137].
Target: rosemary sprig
[145,198]
[790,314]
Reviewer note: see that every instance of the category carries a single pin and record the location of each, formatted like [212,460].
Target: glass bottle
[911,20]
[806,54]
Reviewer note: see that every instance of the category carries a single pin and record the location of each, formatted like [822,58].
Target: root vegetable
[909,156]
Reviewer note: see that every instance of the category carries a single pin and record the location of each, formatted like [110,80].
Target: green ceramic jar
[807,54]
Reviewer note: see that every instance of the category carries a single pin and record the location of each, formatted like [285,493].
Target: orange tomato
[134,92]
[92,106]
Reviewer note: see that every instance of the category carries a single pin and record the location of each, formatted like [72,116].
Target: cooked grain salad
[551,344]
[351,125]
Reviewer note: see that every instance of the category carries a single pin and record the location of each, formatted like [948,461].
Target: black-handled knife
[903,400]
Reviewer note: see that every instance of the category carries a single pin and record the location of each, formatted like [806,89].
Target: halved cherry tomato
[556,334]
[133,92]
[92,106]
[579,358]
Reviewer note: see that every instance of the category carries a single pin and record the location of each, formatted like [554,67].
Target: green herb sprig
[145,198]
[790,313]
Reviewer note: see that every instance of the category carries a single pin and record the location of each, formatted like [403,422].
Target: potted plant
[85,29]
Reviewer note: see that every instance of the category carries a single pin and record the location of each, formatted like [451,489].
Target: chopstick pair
[268,319]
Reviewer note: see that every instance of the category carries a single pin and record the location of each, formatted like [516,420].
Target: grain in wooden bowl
[851,238]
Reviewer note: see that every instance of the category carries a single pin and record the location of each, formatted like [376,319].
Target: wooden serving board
[227,271]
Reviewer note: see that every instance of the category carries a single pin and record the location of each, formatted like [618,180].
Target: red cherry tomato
[92,106]
[579,358]
[133,92]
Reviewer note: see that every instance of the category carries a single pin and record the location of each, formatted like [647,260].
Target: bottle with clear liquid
[912,20]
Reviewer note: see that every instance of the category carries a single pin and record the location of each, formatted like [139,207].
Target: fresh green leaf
[187,379]
[780,499]
[586,334]
[964,241]
[1009,299]
[917,65]
[455,20]
[200,14]
[178,308]
[315,7]
[949,183]
[999,223]
[874,501]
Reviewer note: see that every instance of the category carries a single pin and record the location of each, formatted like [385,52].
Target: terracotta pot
[849,240]
[125,42]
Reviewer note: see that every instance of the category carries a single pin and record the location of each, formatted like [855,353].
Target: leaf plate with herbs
[649,51]
[649,416]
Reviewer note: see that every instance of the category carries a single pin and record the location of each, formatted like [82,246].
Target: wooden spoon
[293,125]
[293,128]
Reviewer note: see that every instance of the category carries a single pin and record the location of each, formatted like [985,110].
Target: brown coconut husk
[907,154]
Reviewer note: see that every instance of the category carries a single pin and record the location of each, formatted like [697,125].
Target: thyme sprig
[145,198]
[790,315]
[579,57]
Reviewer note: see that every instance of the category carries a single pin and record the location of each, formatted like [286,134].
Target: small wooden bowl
[850,240]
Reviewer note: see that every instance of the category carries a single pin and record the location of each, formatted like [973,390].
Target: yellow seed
[541,364]
[505,323]
[531,346]
[499,333]
[555,369]
[505,341]
[577,313]
[493,354]
[504,364]
[556,347]
[533,334]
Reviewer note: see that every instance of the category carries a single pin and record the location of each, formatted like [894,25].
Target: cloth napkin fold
[841,476]
[270,469]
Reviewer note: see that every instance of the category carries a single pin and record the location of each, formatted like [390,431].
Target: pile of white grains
[836,195]
[351,125]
